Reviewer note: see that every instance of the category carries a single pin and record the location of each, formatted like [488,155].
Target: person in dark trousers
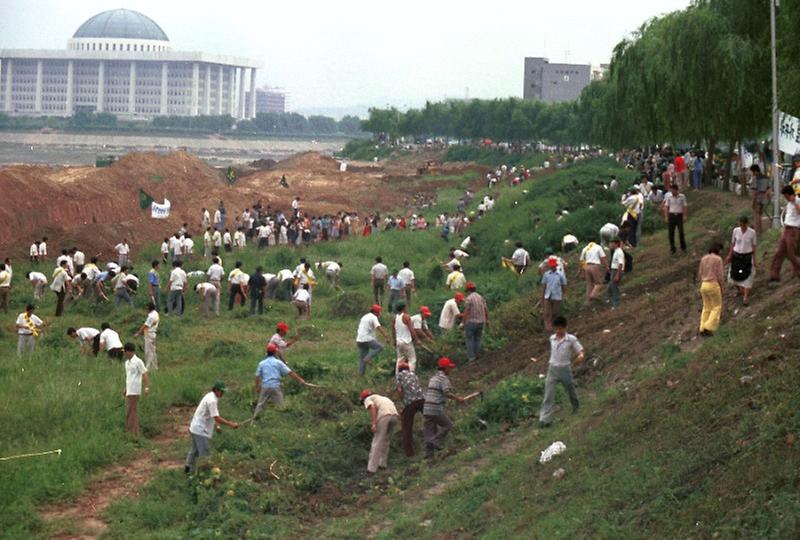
[410,392]
[437,424]
[238,281]
[676,212]
[257,286]
[60,286]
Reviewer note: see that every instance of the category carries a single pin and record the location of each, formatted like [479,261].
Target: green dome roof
[121,23]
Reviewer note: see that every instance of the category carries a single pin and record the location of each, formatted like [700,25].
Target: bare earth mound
[95,208]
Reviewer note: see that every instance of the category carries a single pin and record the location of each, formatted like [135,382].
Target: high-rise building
[554,83]
[268,100]
[122,62]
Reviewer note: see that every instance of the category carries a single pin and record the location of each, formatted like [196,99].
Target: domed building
[122,62]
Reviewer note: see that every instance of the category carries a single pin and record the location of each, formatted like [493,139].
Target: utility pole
[776,151]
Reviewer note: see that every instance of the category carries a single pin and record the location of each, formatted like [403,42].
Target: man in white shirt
[617,269]
[29,327]
[79,260]
[238,280]
[285,278]
[121,289]
[34,253]
[109,342]
[593,264]
[5,287]
[787,245]
[206,219]
[607,232]
[384,419]
[38,282]
[227,241]
[676,212]
[43,249]
[149,330]
[420,323]
[521,258]
[207,243]
[178,281]
[123,251]
[206,416]
[136,380]
[302,301]
[188,246]
[450,312]
[368,345]
[215,275]
[89,338]
[60,286]
[378,275]
[569,242]
[332,270]
[409,280]
[216,239]
[209,296]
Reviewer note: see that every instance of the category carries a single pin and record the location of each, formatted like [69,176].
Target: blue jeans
[472,333]
[156,298]
[367,350]
[697,179]
[613,289]
[175,302]
[120,295]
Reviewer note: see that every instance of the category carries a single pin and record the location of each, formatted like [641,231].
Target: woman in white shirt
[742,258]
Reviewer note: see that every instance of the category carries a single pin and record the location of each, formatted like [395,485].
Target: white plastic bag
[554,449]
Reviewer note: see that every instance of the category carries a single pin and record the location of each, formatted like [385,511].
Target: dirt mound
[309,162]
[263,164]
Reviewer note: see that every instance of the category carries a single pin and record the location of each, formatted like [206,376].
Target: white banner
[788,134]
[160,211]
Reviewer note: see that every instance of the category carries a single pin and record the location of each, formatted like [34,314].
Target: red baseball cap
[470,286]
[552,262]
[376,308]
[426,312]
[445,363]
[282,327]
[365,394]
[271,347]
[459,296]
[403,365]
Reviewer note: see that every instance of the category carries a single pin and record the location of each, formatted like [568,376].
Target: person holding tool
[206,416]
[269,373]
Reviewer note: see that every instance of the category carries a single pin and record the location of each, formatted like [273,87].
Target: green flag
[145,200]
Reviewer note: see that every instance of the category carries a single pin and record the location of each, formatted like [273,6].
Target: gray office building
[553,83]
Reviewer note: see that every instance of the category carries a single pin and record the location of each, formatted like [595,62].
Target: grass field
[643,459]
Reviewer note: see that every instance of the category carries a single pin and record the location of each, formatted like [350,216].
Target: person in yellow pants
[711,276]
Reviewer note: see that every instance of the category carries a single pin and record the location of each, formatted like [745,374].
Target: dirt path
[82,518]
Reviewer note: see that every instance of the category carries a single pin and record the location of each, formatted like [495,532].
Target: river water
[83,149]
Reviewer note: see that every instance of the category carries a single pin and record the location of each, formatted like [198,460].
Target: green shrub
[514,399]
[350,304]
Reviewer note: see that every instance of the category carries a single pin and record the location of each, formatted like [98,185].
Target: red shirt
[680,164]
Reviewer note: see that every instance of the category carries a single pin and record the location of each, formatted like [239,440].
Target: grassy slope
[670,441]
[673,444]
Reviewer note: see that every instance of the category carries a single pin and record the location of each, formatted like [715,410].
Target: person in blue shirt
[697,173]
[154,285]
[553,291]
[269,373]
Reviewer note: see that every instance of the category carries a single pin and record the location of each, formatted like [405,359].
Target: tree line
[263,124]
[697,76]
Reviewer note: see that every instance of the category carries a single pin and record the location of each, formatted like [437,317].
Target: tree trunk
[726,176]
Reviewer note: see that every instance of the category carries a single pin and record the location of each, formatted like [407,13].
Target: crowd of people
[603,263]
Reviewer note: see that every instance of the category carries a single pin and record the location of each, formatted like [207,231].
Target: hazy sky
[351,54]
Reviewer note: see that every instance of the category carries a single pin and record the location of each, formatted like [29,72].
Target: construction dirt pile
[94,208]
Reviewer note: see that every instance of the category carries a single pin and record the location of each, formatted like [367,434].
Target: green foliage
[350,304]
[515,398]
[364,150]
[494,158]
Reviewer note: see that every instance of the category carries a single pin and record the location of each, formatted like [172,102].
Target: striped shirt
[477,309]
[439,389]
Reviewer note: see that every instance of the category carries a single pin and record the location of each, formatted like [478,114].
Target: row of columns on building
[195,97]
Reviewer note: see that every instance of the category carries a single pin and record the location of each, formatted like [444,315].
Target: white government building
[121,62]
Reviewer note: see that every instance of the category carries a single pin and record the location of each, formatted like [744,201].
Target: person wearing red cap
[475,317]
[269,373]
[410,391]
[421,325]
[554,285]
[405,336]
[281,329]
[437,424]
[450,312]
[384,419]
[368,345]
